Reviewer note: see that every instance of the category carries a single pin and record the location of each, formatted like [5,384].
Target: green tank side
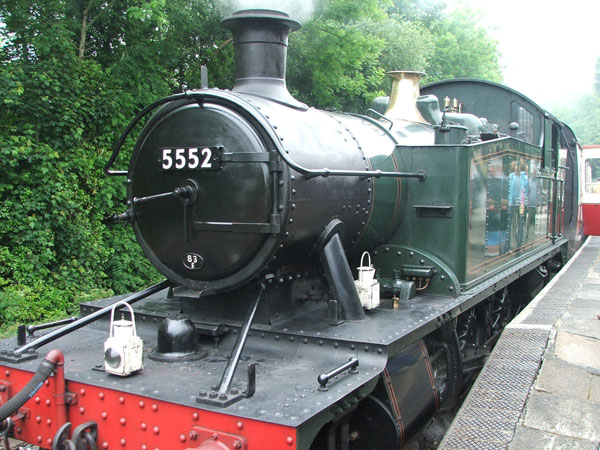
[433,224]
[482,206]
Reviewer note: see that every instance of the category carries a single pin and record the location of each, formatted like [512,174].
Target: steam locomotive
[258,210]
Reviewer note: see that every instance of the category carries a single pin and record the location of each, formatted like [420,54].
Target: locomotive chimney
[403,98]
[260,38]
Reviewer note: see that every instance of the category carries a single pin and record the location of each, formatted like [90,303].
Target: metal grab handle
[324,378]
[381,116]
[117,147]
[369,264]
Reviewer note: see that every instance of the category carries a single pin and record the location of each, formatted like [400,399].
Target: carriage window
[592,175]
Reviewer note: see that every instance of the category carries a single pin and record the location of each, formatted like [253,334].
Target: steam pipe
[57,357]
[325,172]
[53,362]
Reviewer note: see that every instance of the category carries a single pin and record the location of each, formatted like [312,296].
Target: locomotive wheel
[515,305]
[473,328]
[446,364]
[470,331]
[373,427]
[500,310]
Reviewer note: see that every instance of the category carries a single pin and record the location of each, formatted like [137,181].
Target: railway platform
[540,388]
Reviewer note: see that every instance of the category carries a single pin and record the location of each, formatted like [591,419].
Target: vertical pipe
[57,357]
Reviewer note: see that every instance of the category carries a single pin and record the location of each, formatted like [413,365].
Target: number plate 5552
[190,158]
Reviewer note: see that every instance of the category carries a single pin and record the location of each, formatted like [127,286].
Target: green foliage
[73,74]
[33,303]
[338,59]
[60,115]
[424,12]
[339,65]
[462,49]
[597,77]
[584,117]
[408,45]
[348,11]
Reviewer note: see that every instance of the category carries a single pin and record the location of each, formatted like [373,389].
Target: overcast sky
[549,47]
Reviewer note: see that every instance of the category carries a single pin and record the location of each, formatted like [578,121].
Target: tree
[338,59]
[333,62]
[462,49]
[74,73]
[597,77]
[424,12]
[408,45]
[584,117]
[334,66]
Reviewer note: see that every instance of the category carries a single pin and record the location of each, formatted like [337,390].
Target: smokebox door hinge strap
[273,227]
[271,158]
[246,157]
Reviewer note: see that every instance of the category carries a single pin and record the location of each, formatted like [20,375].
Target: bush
[38,303]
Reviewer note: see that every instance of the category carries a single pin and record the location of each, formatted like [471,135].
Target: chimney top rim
[260,14]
